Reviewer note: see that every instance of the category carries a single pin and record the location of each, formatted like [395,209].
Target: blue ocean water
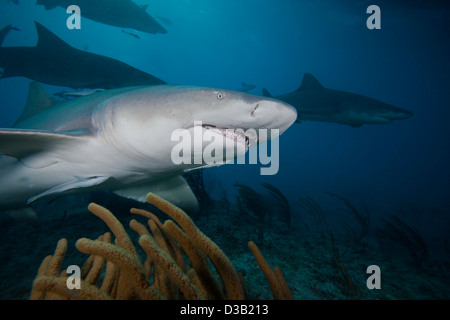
[403,166]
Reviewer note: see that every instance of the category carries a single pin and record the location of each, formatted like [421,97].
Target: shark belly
[20,183]
[92,166]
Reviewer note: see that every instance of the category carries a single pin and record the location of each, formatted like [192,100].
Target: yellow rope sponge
[222,263]
[199,262]
[280,289]
[176,265]
[58,285]
[122,238]
[124,260]
[170,267]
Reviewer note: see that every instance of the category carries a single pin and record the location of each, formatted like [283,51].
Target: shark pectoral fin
[21,143]
[175,190]
[355,125]
[78,183]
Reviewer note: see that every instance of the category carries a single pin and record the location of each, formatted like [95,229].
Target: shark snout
[399,115]
[162,30]
[275,114]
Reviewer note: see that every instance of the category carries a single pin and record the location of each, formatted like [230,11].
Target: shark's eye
[220,95]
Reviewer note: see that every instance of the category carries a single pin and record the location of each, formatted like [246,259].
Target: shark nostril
[254,109]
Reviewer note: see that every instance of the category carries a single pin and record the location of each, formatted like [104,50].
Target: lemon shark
[54,62]
[120,140]
[314,102]
[119,13]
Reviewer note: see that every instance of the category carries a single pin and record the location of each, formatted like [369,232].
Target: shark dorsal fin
[48,40]
[310,83]
[266,93]
[37,101]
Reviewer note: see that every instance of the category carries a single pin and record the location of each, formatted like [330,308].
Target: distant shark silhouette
[54,62]
[314,102]
[119,13]
[246,87]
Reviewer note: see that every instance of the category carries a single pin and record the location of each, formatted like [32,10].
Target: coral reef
[177,263]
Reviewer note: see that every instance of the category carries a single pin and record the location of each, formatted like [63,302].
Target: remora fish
[120,140]
[316,103]
[48,62]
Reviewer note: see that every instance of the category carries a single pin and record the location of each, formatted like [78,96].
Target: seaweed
[313,209]
[250,201]
[282,203]
[362,216]
[224,206]
[202,184]
[398,231]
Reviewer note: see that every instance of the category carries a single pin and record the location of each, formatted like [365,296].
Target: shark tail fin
[266,93]
[310,83]
[37,101]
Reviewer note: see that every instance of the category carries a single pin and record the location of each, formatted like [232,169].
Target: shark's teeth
[231,134]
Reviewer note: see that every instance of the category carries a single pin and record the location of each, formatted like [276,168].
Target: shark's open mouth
[238,135]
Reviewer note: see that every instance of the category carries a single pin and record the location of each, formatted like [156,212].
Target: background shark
[53,61]
[317,103]
[120,139]
[119,13]
[246,87]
